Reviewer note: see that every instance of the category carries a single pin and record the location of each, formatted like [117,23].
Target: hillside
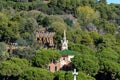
[92,30]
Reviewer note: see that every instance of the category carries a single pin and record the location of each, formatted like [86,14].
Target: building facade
[64,63]
[44,37]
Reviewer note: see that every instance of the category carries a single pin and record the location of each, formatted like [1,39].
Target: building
[65,60]
[64,63]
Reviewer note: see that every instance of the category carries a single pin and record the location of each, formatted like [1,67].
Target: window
[38,39]
[63,58]
[55,68]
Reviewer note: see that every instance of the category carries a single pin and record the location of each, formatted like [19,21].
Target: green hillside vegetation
[92,30]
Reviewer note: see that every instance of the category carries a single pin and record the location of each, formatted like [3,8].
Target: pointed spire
[64,36]
[64,42]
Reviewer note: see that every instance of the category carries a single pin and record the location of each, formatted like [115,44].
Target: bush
[3,47]
[21,42]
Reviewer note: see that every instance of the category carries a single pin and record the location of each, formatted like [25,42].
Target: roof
[68,52]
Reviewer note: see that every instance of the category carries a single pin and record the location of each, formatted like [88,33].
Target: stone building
[44,37]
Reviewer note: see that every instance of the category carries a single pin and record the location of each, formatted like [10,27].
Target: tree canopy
[92,30]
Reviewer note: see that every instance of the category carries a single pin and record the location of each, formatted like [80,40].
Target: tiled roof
[68,52]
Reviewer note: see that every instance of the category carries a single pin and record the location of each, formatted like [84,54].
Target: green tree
[3,51]
[110,28]
[12,68]
[58,28]
[75,35]
[55,18]
[86,39]
[86,63]
[62,75]
[4,56]
[3,47]
[25,63]
[81,48]
[28,25]
[40,19]
[43,57]
[68,22]
[102,8]
[33,73]
[9,70]
[109,42]
[27,53]
[86,15]
[108,62]
[9,29]
[59,75]
[109,70]
[21,42]
[53,3]
[108,54]
[97,38]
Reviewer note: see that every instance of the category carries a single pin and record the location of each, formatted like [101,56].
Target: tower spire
[64,36]
[64,42]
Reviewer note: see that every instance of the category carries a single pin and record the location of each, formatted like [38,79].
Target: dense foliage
[92,28]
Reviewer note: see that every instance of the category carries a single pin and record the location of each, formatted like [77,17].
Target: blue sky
[113,1]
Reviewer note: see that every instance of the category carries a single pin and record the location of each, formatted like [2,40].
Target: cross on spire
[74,74]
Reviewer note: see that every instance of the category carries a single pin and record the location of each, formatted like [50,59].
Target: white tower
[64,42]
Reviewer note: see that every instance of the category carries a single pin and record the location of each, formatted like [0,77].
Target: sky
[113,1]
